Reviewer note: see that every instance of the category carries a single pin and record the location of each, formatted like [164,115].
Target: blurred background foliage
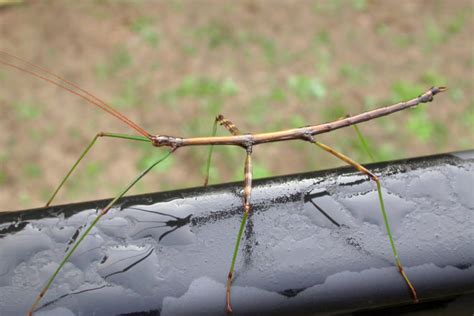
[266,65]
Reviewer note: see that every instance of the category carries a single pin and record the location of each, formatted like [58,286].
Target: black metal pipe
[315,244]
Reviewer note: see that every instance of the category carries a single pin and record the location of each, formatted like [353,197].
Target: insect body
[246,141]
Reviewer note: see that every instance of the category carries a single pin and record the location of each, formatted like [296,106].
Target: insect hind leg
[373,177]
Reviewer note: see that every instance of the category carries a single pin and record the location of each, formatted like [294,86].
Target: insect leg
[101,134]
[87,231]
[247,192]
[363,142]
[372,176]
[221,120]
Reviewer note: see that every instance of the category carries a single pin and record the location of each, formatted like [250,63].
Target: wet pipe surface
[315,244]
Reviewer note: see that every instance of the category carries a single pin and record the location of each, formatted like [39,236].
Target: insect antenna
[48,76]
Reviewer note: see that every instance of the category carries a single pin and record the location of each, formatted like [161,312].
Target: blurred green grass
[174,66]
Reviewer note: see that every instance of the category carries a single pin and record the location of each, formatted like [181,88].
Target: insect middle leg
[221,120]
[84,153]
[247,207]
[372,176]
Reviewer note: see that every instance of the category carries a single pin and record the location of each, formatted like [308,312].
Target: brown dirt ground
[357,49]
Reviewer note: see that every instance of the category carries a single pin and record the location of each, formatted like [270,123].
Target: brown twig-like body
[302,133]
[246,141]
[243,140]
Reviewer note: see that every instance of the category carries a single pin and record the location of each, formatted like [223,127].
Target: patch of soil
[144,56]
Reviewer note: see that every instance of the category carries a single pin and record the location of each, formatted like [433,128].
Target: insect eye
[160,140]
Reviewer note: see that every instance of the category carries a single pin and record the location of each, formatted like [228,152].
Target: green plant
[356,74]
[26,110]
[143,26]
[306,88]
[216,34]
[32,170]
[129,95]
[119,60]
[148,155]
[404,90]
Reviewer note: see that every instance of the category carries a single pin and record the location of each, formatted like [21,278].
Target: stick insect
[245,141]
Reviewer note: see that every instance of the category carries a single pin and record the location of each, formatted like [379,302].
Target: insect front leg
[372,176]
[88,230]
[84,153]
[246,197]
